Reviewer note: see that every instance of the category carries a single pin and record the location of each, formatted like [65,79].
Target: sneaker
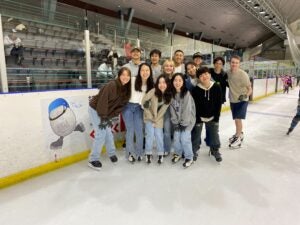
[114,159]
[195,158]
[148,158]
[140,158]
[289,131]
[160,159]
[187,163]
[95,165]
[175,158]
[131,158]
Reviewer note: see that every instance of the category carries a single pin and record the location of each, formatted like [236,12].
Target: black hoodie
[208,102]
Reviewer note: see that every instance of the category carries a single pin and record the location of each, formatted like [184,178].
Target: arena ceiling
[216,19]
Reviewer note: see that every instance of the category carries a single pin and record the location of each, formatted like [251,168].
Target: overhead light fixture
[262,11]
[274,23]
[249,1]
[266,15]
[256,6]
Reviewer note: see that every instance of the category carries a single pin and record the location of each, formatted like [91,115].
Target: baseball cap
[135,48]
[197,54]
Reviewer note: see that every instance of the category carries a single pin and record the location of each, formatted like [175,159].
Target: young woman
[168,68]
[190,79]
[155,104]
[108,103]
[183,117]
[133,112]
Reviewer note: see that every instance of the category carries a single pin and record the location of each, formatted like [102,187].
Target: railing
[19,10]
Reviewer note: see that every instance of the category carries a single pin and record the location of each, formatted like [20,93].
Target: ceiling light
[267,15]
[249,1]
[274,23]
[262,11]
[256,6]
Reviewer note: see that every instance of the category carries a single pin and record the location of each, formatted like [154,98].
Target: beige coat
[151,114]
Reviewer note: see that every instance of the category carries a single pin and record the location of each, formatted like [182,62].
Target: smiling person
[178,60]
[155,56]
[183,114]
[239,92]
[156,103]
[133,112]
[135,61]
[108,103]
[207,96]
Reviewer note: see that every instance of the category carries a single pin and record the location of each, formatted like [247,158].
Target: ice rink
[257,184]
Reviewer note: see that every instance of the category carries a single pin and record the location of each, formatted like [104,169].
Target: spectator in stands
[178,60]
[135,61]
[155,56]
[239,92]
[104,71]
[198,59]
[108,103]
[113,57]
[13,46]
[155,104]
[127,49]
[220,76]
[133,112]
[190,78]
[296,118]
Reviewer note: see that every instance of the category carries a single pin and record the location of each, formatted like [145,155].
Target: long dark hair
[124,90]
[139,82]
[167,95]
[183,89]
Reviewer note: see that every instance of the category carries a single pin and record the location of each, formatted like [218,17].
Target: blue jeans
[183,144]
[151,133]
[133,118]
[213,133]
[102,136]
[168,130]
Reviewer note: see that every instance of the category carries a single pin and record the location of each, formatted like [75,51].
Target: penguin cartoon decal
[62,121]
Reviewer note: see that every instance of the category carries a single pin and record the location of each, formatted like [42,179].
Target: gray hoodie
[183,111]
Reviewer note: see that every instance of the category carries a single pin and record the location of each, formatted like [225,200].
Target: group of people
[168,105]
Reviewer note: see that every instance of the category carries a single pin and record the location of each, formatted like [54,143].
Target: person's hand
[243,97]
[105,123]
[146,104]
[182,128]
[176,127]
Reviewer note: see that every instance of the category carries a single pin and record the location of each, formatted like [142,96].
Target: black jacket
[221,79]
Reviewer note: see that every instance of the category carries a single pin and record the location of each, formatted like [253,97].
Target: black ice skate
[148,158]
[289,131]
[160,159]
[215,152]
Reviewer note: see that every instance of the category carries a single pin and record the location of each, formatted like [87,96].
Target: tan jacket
[151,114]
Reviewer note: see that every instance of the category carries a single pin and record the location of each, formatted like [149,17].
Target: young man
[207,96]
[198,59]
[178,60]
[155,56]
[220,76]
[135,61]
[239,92]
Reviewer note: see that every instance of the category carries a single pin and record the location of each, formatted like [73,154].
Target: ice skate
[235,143]
[175,158]
[160,159]
[215,152]
[148,158]
[289,131]
[187,163]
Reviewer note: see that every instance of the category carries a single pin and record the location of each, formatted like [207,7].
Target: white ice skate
[235,143]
